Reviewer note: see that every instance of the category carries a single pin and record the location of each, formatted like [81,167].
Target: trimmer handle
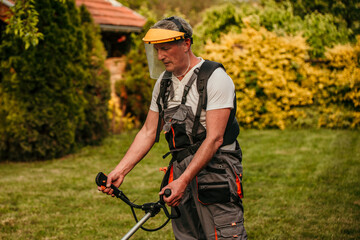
[167,193]
[101,180]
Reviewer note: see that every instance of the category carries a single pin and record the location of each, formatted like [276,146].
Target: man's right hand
[115,178]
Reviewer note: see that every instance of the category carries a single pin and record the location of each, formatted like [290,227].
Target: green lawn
[299,184]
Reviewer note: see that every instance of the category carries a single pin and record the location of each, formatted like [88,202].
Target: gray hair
[167,23]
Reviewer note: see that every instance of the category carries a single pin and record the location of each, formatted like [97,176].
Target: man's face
[173,56]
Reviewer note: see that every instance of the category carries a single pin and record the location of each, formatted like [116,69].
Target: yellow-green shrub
[119,122]
[338,92]
[266,70]
[277,87]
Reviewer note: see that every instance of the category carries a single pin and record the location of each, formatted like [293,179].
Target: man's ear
[187,44]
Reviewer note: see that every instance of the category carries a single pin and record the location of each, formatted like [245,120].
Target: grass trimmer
[151,209]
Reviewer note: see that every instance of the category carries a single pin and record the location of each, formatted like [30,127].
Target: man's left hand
[177,188]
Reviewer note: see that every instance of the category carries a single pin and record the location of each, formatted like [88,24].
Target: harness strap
[180,154]
[164,95]
[203,74]
[188,85]
[206,69]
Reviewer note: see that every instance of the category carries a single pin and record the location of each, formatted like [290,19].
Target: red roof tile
[5,11]
[113,14]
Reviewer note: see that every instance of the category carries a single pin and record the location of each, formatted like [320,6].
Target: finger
[109,181]
[168,200]
[105,189]
[110,192]
[162,192]
[174,204]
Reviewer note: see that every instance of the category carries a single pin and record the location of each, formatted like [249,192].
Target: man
[205,171]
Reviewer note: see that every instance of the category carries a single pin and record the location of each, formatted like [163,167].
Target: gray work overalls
[211,207]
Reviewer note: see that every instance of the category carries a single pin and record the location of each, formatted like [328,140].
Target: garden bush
[336,87]
[46,91]
[97,88]
[277,87]
[320,30]
[266,70]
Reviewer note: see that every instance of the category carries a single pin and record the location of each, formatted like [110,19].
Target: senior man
[194,102]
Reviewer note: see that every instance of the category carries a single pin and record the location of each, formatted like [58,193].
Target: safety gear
[155,36]
[216,191]
[156,67]
[201,75]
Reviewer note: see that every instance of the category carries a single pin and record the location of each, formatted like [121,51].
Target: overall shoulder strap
[162,97]
[189,84]
[206,69]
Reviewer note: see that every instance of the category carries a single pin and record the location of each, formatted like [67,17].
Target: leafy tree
[279,18]
[320,30]
[97,88]
[220,20]
[348,10]
[23,22]
[165,8]
[44,89]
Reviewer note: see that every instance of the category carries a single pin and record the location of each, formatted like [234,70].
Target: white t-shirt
[220,92]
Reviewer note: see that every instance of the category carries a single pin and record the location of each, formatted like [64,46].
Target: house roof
[113,16]
[5,6]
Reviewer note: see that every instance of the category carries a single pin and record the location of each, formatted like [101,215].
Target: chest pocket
[178,126]
[179,122]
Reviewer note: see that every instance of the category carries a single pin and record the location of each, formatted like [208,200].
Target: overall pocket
[212,184]
[210,193]
[233,159]
[177,137]
[229,227]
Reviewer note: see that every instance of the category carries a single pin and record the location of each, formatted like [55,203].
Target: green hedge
[46,91]
[97,88]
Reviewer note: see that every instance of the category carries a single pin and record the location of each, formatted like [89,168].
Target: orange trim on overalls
[173,132]
[171,175]
[216,237]
[238,184]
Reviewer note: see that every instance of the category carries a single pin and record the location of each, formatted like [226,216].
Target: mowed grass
[299,184]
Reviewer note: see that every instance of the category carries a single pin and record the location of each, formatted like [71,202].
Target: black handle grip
[167,192]
[101,180]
